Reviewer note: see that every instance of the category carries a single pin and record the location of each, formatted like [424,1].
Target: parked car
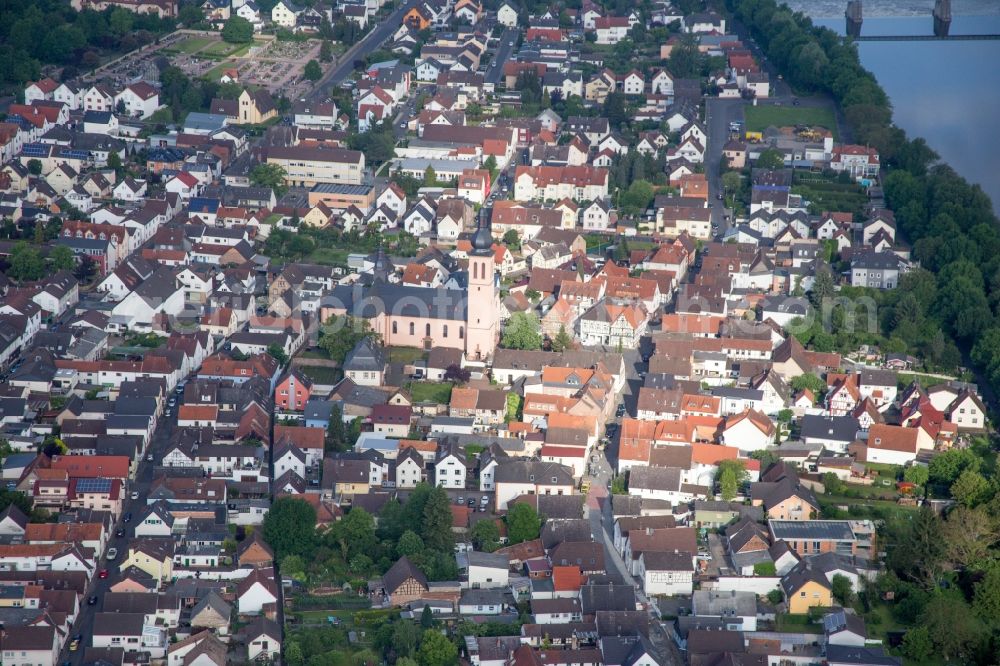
[112,553]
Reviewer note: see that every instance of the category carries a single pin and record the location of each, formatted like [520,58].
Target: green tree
[237,30]
[427,618]
[355,534]
[62,258]
[614,110]
[26,263]
[840,588]
[917,644]
[86,269]
[437,521]
[405,638]
[339,335]
[430,177]
[730,477]
[511,239]
[770,159]
[969,535]
[269,175]
[290,527]
[326,51]
[522,331]
[970,488]
[523,523]
[410,544]
[190,15]
[35,167]
[986,597]
[115,162]
[486,536]
[120,21]
[277,352]
[637,197]
[562,341]
[946,467]
[956,632]
[731,182]
[685,59]
[491,165]
[436,650]
[293,654]
[832,483]
[312,71]
[808,381]
[916,474]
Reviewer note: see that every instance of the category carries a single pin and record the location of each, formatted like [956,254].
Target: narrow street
[98,587]
[598,510]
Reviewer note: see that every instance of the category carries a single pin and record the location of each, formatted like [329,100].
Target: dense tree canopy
[290,527]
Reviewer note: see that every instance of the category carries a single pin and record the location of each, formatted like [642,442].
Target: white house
[98,98]
[507,15]
[129,189]
[69,94]
[450,470]
[748,431]
[255,591]
[285,14]
[140,99]
[289,458]
[666,573]
[263,640]
[488,570]
[36,645]
[183,184]
[409,468]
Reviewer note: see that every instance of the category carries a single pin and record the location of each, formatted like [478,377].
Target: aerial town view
[499,333]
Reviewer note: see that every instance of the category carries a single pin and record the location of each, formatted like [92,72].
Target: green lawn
[797,623]
[759,118]
[215,73]
[321,375]
[328,256]
[192,44]
[224,50]
[904,379]
[406,354]
[439,392]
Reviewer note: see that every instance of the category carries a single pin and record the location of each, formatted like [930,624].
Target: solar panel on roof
[35,150]
[93,485]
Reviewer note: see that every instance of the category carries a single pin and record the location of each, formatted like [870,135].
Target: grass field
[406,354]
[224,50]
[192,44]
[329,256]
[321,375]
[439,392]
[797,623]
[759,118]
[215,73]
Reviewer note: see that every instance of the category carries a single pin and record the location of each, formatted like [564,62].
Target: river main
[945,92]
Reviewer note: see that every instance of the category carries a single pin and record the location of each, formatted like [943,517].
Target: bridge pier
[854,18]
[942,17]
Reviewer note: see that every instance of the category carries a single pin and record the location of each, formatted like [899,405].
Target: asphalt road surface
[370,43]
[98,587]
[505,49]
[718,114]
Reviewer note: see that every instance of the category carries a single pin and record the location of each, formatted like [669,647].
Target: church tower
[483,306]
